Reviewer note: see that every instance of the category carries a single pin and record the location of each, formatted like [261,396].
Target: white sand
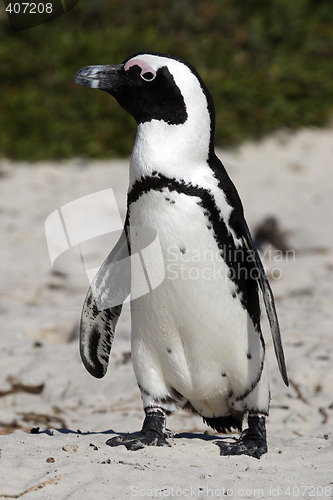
[288,176]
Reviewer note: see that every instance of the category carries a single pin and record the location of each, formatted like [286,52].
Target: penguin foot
[252,441]
[153,433]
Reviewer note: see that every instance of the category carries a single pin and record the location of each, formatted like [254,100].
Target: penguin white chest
[191,334]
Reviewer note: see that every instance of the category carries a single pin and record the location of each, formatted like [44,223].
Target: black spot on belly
[223,374]
[169,350]
[209,227]
[182,249]
[172,202]
[234,295]
[249,356]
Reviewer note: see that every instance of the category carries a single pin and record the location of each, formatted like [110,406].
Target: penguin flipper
[269,304]
[102,307]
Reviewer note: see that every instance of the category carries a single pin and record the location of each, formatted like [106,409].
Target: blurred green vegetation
[267,63]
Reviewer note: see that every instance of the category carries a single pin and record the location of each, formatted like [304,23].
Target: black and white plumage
[196,338]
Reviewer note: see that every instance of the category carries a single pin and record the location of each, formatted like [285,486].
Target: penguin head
[157,89]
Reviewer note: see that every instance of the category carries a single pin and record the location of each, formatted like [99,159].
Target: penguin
[196,340]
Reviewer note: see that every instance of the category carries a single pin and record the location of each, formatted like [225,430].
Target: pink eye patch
[147,72]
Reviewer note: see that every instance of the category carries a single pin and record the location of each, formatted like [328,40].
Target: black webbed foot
[152,433]
[252,441]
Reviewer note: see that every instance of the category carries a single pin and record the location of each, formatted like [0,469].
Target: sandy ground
[44,385]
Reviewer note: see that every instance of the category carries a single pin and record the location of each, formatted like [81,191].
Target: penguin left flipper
[269,303]
[103,305]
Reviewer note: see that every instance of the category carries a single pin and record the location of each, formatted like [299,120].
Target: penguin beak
[106,77]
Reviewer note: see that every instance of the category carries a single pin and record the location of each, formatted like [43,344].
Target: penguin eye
[148,76]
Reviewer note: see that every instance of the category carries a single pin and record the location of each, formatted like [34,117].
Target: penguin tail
[226,424]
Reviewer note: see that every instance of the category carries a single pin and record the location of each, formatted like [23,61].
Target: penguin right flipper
[103,305]
[269,304]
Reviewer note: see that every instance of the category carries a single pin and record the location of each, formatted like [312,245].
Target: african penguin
[196,338]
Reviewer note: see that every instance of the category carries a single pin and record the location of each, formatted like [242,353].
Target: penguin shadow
[205,437]
[78,432]
[179,435]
